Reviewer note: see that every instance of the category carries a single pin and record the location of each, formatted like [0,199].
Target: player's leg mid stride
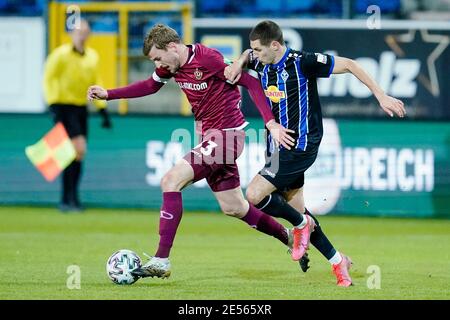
[170,216]
[303,227]
[341,271]
[275,205]
[223,180]
[301,236]
[339,265]
[288,205]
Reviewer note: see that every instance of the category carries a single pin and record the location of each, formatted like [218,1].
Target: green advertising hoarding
[395,168]
[389,168]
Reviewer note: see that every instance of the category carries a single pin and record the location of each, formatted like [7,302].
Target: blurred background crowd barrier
[368,164]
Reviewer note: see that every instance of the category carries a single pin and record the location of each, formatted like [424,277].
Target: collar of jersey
[78,52]
[281,62]
[191,53]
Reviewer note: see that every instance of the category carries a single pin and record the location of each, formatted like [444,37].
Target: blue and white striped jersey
[291,90]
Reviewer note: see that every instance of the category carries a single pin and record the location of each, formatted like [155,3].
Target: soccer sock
[76,182]
[276,206]
[319,240]
[336,259]
[171,212]
[265,223]
[67,184]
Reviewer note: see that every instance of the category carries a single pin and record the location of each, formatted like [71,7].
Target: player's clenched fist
[97,93]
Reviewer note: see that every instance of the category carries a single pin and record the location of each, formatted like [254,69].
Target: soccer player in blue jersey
[289,79]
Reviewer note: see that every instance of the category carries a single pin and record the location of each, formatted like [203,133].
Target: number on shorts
[206,151]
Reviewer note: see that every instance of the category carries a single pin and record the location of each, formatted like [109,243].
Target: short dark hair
[266,32]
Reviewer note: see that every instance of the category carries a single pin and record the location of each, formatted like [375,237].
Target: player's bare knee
[288,196]
[169,182]
[237,210]
[253,196]
[231,211]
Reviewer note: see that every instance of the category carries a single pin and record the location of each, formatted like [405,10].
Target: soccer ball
[120,265]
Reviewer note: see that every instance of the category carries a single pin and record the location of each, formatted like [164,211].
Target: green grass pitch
[216,257]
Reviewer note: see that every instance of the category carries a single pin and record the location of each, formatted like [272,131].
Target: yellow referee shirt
[68,75]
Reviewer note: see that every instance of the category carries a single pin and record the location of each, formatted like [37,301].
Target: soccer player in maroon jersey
[199,71]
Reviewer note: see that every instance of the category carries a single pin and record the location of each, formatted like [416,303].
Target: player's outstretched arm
[389,104]
[96,93]
[233,71]
[134,90]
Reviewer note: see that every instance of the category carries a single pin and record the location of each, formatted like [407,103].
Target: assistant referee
[69,71]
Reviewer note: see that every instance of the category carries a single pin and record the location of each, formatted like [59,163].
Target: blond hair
[160,36]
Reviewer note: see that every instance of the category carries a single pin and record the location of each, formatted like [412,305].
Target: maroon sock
[171,211]
[266,224]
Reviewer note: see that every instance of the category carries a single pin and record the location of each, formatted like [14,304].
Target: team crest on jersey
[198,74]
[274,94]
[284,75]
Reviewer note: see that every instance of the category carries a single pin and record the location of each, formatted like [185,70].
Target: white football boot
[155,267]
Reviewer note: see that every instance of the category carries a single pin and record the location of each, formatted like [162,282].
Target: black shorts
[74,118]
[286,169]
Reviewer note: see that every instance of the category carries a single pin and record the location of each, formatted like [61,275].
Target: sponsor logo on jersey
[198,74]
[193,86]
[274,94]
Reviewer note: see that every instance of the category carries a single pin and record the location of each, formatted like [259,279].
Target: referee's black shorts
[74,118]
[285,169]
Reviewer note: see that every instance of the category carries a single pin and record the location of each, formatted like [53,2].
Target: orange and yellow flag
[53,153]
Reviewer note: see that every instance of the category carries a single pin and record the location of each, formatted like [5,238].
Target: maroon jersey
[215,103]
